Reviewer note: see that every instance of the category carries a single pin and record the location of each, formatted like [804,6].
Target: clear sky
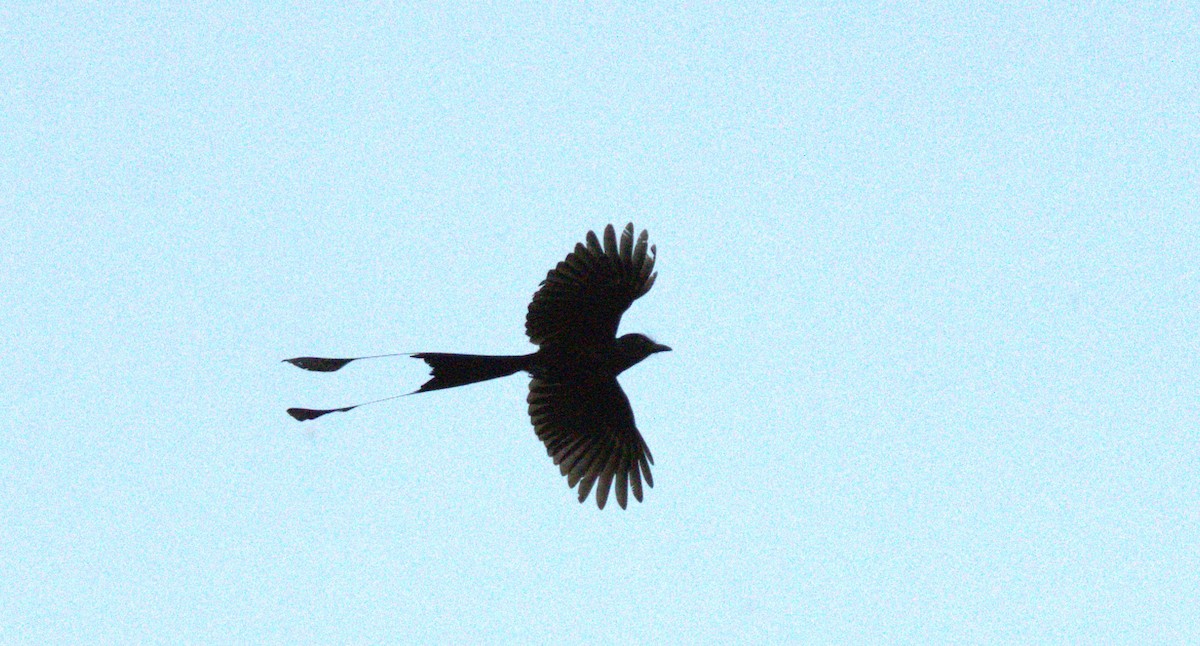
[930,276]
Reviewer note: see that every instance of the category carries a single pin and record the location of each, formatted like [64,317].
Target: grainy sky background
[930,276]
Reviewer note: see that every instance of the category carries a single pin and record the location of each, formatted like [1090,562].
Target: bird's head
[632,348]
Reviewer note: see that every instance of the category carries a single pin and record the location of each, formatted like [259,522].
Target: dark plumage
[575,402]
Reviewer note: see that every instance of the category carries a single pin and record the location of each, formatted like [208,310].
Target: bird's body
[550,362]
[575,402]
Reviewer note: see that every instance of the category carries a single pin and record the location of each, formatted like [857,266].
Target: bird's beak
[658,347]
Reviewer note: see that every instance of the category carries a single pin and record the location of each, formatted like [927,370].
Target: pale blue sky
[930,276]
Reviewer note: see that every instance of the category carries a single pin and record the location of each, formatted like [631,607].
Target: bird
[576,405]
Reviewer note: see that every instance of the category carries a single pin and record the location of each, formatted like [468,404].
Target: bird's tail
[450,370]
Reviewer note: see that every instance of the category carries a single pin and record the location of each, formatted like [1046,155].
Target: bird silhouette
[577,407]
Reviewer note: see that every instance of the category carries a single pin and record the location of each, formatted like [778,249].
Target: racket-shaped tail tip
[318,364]
[305,414]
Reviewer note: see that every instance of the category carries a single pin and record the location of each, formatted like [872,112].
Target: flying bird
[576,405]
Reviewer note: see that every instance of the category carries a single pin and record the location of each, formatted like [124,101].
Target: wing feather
[627,247]
[581,301]
[589,431]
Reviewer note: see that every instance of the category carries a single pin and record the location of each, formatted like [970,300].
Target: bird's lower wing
[589,431]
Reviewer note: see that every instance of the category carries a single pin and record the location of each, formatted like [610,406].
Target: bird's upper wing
[588,428]
[582,299]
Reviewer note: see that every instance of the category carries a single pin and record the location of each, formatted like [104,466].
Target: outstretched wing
[589,431]
[582,299]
